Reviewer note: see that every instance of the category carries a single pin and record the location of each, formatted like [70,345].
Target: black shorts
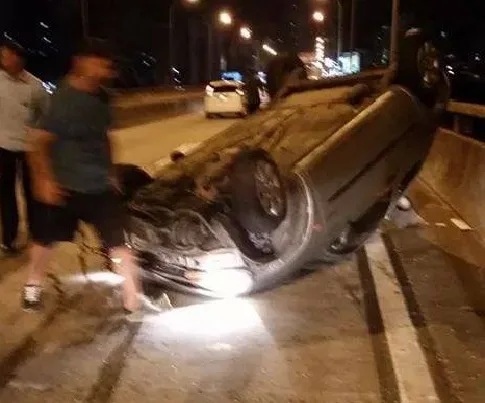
[104,211]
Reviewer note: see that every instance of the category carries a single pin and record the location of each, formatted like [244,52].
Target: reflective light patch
[215,323]
[226,282]
[225,260]
[116,260]
[101,277]
[206,262]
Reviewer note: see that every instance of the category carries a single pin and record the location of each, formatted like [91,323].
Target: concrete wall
[147,109]
[455,169]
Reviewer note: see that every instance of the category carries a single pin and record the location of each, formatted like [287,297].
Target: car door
[365,158]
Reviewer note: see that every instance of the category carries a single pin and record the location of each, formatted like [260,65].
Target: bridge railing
[466,119]
[455,168]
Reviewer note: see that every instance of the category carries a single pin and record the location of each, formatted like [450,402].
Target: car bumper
[220,272]
[216,106]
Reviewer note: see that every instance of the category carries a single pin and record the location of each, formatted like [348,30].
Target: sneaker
[32,298]
[148,307]
[404,204]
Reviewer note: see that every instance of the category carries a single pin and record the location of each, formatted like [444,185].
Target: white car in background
[225,98]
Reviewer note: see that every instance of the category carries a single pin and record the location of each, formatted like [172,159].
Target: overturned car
[310,178]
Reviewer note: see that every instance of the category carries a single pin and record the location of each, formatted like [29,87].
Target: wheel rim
[339,245]
[429,65]
[354,233]
[269,189]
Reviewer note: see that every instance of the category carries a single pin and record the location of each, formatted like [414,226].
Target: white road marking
[412,372]
[461,224]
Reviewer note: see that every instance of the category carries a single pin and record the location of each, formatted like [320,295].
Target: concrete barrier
[455,169]
[162,106]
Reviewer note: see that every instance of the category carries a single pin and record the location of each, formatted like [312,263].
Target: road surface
[402,321]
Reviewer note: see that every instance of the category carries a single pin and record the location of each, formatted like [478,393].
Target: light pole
[171,23]
[339,24]
[210,46]
[352,26]
[84,18]
[246,49]
[395,34]
[340,29]
[225,20]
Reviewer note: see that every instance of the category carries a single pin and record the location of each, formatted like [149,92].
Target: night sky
[140,25]
[265,15]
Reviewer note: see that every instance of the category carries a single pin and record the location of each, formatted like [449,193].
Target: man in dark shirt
[252,90]
[74,178]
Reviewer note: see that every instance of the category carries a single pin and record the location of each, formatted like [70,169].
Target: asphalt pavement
[401,321]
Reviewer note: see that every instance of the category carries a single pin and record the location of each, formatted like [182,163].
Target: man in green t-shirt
[74,178]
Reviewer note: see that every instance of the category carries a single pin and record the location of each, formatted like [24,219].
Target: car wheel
[258,196]
[356,234]
[420,68]
[132,178]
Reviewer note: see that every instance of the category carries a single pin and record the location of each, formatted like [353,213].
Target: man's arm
[45,185]
[113,174]
[40,106]
[39,139]
[39,154]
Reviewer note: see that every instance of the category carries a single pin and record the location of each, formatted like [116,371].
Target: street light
[225,18]
[245,33]
[318,16]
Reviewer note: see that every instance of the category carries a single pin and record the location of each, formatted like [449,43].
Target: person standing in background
[253,85]
[23,101]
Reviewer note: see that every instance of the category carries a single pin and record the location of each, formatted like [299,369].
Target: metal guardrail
[465,115]
[462,108]
[158,89]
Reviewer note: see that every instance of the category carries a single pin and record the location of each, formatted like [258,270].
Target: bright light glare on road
[245,33]
[225,18]
[212,321]
[269,49]
[226,283]
[318,16]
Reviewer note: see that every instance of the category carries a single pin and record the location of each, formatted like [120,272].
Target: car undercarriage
[310,178]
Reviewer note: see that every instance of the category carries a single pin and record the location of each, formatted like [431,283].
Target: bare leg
[39,258]
[125,265]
